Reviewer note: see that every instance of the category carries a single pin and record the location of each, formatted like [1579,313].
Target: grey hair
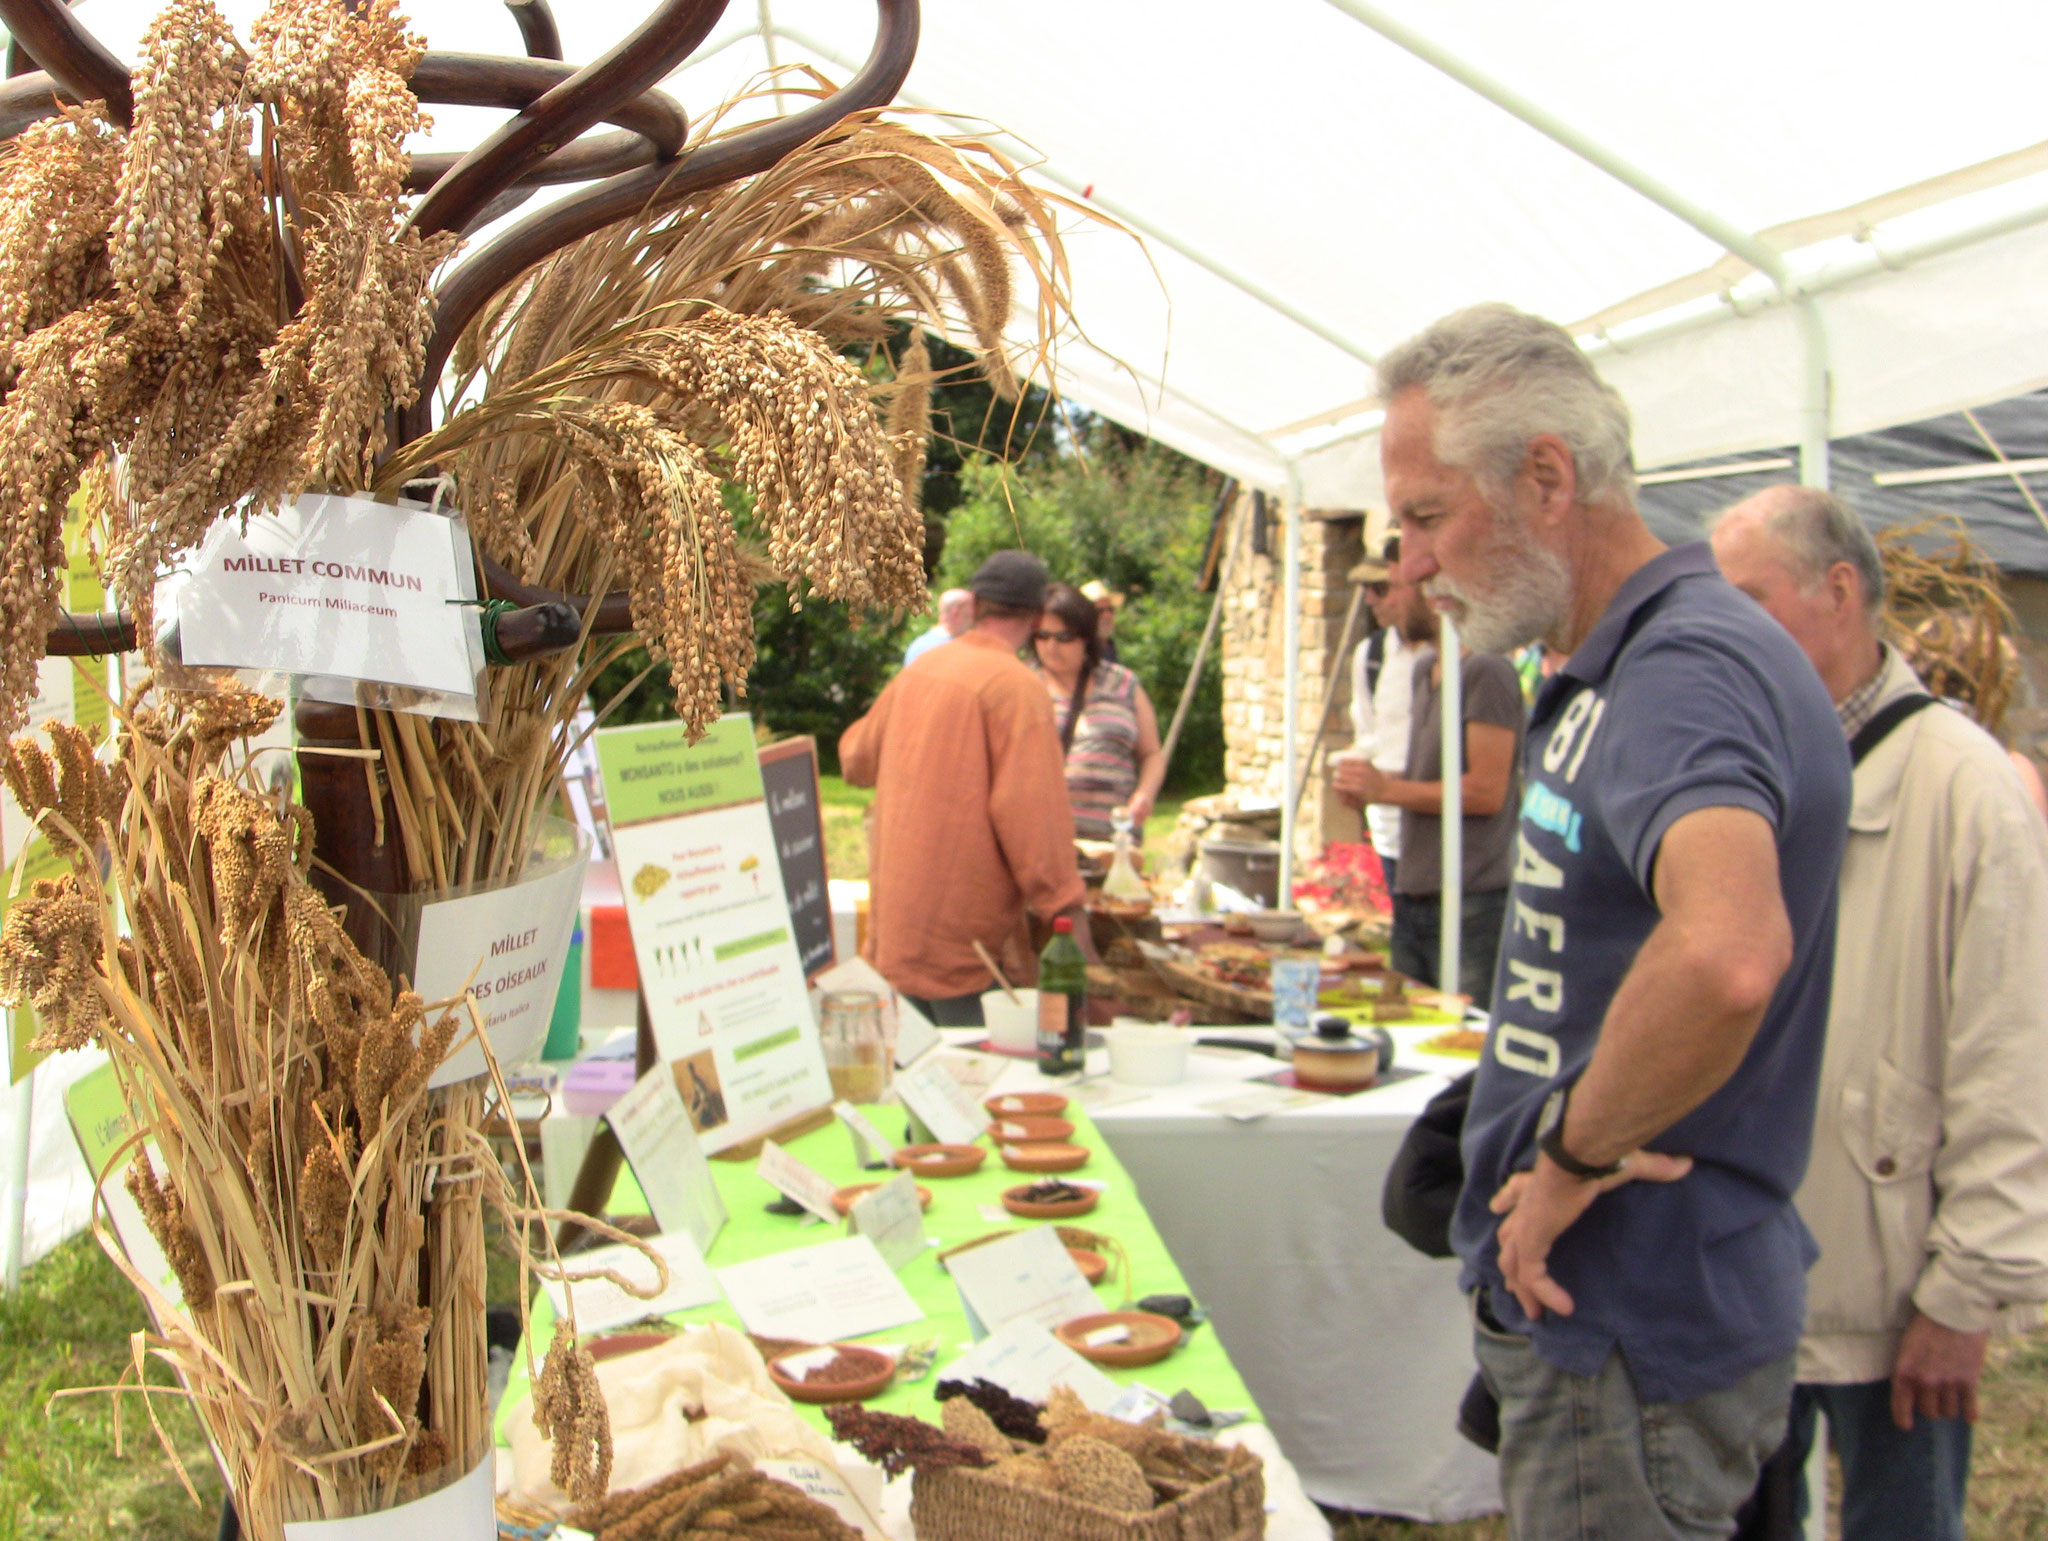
[1817,530]
[1499,377]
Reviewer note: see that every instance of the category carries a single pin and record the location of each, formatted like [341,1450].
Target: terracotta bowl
[1151,1338]
[1045,1157]
[846,1198]
[941,1160]
[1038,1104]
[879,1370]
[1028,1209]
[620,1344]
[1093,1265]
[1026,1130]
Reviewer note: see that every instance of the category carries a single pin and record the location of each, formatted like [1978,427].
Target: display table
[1356,1348]
[1201,1364]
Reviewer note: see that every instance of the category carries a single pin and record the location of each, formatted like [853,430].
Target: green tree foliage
[1136,515]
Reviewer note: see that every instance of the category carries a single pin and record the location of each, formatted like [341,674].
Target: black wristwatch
[1550,1140]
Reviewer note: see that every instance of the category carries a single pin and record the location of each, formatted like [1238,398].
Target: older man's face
[1756,562]
[1484,568]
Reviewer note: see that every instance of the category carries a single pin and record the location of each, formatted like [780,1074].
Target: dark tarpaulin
[1993,509]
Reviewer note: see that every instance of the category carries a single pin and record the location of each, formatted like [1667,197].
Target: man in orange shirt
[971,822]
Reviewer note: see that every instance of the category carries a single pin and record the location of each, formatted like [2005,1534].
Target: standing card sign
[367,603]
[508,944]
[719,967]
[653,1129]
[104,1126]
[789,774]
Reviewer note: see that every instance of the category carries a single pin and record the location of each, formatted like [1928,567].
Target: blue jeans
[1582,1458]
[1897,1485]
[1414,946]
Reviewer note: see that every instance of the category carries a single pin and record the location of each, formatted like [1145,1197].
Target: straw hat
[1096,592]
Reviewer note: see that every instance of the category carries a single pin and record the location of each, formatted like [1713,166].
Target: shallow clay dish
[941,1160]
[1093,1265]
[1030,1104]
[622,1343]
[1017,1129]
[846,1198]
[879,1370]
[1027,1209]
[1050,1157]
[1151,1338]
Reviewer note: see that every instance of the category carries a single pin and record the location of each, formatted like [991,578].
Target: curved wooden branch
[537,29]
[472,285]
[72,56]
[487,80]
[614,610]
[660,43]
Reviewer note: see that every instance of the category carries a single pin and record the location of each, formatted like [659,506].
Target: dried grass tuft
[1945,611]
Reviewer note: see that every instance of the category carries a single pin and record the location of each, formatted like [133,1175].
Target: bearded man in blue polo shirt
[1643,1109]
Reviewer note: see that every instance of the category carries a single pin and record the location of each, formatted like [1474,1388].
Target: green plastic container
[565,1027]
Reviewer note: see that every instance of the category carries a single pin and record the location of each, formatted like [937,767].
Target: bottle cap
[1063,923]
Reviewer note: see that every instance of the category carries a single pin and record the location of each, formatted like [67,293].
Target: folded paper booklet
[602,1303]
[653,1128]
[819,1294]
[891,1217]
[940,1102]
[794,1180]
[1027,1361]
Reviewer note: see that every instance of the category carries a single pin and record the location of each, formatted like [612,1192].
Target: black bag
[1421,1190]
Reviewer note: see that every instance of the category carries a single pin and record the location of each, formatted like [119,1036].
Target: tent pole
[1451,702]
[16,1217]
[1290,715]
[1194,680]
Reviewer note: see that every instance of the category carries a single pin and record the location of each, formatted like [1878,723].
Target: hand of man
[1543,1204]
[1937,1372]
[1358,781]
[1138,810]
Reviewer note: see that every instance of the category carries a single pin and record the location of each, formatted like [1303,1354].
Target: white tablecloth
[1356,1346]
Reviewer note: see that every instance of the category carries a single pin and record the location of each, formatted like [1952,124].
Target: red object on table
[611,949]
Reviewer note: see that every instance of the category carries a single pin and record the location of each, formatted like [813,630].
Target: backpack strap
[1878,729]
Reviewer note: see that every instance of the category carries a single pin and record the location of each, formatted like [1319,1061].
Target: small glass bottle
[1062,1002]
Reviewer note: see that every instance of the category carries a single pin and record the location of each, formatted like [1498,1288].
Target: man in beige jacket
[1928,1188]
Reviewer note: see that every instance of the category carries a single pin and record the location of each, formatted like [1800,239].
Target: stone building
[1255,664]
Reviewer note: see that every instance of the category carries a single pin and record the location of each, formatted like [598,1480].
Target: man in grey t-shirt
[1494,716]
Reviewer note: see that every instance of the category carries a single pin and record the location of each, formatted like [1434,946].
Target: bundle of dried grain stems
[1944,609]
[222,307]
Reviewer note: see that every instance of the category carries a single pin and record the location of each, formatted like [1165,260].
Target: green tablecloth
[1199,1364]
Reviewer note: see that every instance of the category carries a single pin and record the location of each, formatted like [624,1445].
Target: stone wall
[1254,660]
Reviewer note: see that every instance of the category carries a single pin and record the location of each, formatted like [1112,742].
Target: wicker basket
[962,1504]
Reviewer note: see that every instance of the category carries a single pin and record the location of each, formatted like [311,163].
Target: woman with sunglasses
[1107,725]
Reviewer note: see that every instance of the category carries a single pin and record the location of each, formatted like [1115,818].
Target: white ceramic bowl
[1148,1056]
[1014,1028]
[1275,925]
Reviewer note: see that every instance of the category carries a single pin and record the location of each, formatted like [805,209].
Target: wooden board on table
[1189,980]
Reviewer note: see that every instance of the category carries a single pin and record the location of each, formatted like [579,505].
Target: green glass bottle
[1062,1002]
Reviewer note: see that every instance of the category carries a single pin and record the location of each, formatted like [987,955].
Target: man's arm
[1987,1245]
[1489,770]
[1028,808]
[1675,1031]
[860,746]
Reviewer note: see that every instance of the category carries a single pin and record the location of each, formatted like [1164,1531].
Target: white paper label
[511,945]
[836,1490]
[820,1294]
[336,586]
[892,1218]
[466,1510]
[654,1132]
[602,1304]
[1026,1277]
[870,1145]
[793,1179]
[1027,1361]
[915,1034]
[941,1103]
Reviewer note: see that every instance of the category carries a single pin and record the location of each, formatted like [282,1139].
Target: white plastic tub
[1148,1056]
[1013,1028]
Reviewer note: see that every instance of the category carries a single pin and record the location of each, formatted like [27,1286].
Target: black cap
[1013,578]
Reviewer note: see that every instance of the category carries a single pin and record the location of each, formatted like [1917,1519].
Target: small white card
[1027,1361]
[941,1103]
[340,587]
[870,1145]
[892,1218]
[819,1294]
[1026,1277]
[794,1180]
[915,1035]
[510,946]
[654,1130]
[602,1304]
[855,1495]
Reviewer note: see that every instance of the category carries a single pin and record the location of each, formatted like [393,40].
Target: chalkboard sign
[789,771]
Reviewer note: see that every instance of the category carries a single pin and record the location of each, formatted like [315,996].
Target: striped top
[1102,764]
